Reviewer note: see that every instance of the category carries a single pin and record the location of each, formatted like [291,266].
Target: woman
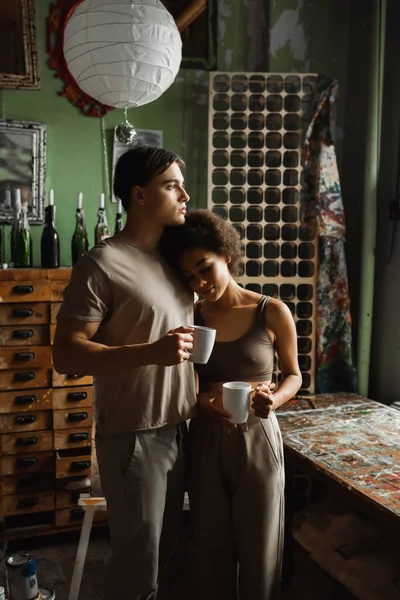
[236,473]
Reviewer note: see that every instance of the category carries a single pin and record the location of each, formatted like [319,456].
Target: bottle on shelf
[101,231]
[14,228]
[50,242]
[119,223]
[79,242]
[23,241]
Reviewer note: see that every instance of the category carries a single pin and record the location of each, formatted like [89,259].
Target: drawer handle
[24,356]
[25,419]
[79,416]
[71,376]
[73,396]
[78,437]
[77,513]
[22,312]
[25,399]
[80,465]
[28,502]
[22,289]
[22,334]
[27,441]
[28,376]
[27,461]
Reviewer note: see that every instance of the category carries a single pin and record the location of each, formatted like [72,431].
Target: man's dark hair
[202,229]
[138,166]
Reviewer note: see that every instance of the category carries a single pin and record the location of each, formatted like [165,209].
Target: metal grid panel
[254,180]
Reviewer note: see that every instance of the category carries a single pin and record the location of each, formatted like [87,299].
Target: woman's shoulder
[276,309]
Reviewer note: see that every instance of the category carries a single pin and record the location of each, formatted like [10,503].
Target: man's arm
[74,352]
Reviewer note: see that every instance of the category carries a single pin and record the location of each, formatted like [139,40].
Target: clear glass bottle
[101,231]
[23,241]
[14,228]
[119,223]
[79,242]
[50,241]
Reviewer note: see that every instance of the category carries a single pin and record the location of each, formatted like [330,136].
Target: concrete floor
[55,560]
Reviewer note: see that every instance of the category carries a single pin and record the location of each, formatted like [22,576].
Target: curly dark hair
[202,229]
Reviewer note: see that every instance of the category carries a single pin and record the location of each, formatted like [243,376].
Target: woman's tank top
[248,358]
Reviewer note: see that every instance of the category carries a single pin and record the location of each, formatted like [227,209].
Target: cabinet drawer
[26,421]
[73,516]
[17,443]
[72,438]
[72,397]
[22,379]
[68,380]
[21,335]
[24,314]
[54,308]
[57,290]
[22,484]
[65,419]
[28,503]
[26,400]
[27,463]
[25,356]
[25,291]
[78,465]
[69,498]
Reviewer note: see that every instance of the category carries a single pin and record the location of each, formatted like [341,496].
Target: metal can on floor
[21,577]
[48,594]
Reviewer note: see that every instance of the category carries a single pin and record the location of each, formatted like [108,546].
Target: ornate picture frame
[23,166]
[25,28]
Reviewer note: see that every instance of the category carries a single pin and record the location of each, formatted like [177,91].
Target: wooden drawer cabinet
[24,335]
[34,313]
[72,398]
[26,400]
[45,417]
[26,421]
[74,516]
[25,356]
[25,464]
[22,379]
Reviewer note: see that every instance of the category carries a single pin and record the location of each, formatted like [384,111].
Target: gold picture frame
[21,14]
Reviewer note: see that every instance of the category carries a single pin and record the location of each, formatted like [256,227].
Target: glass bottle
[101,231]
[79,242]
[23,241]
[119,224]
[50,242]
[14,228]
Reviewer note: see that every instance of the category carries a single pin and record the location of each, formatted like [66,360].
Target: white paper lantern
[123,53]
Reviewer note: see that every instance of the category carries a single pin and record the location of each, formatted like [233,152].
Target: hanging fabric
[322,210]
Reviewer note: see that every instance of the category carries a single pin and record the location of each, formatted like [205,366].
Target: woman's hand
[263,400]
[210,409]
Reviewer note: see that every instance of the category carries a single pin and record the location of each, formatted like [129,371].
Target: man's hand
[212,411]
[263,400]
[174,348]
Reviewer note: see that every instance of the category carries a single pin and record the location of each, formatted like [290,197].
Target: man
[125,319]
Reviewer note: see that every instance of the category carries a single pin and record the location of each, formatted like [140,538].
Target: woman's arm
[280,321]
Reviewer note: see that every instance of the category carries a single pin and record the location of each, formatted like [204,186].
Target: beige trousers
[142,477]
[236,490]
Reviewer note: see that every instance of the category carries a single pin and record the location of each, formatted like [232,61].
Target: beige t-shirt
[137,299]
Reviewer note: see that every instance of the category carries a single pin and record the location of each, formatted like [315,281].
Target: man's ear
[137,195]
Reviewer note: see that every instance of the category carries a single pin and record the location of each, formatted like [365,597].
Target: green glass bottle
[101,231]
[50,241]
[79,242]
[23,241]
[119,223]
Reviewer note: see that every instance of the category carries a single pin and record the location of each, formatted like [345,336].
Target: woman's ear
[228,259]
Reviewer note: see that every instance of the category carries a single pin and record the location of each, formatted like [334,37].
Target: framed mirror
[18,57]
[23,166]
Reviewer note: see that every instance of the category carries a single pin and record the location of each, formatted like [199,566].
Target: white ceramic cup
[203,343]
[236,400]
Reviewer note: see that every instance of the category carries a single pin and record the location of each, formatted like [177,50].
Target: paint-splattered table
[351,440]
